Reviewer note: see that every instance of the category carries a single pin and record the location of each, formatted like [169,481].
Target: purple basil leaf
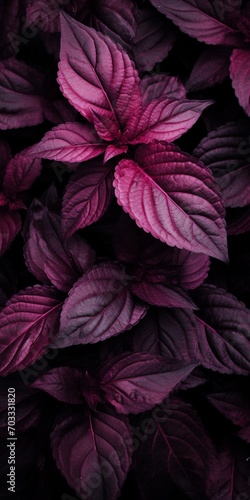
[164,119]
[49,256]
[98,307]
[158,294]
[21,105]
[116,19]
[190,218]
[27,322]
[20,174]
[178,449]
[233,472]
[218,339]
[153,40]
[233,404]
[156,86]
[88,195]
[96,75]
[62,383]
[211,68]
[93,445]
[199,19]
[10,225]
[240,75]
[136,382]
[70,142]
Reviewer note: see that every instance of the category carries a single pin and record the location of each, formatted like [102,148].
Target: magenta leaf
[63,383]
[158,294]
[154,38]
[164,119]
[240,75]
[88,195]
[49,256]
[98,307]
[190,218]
[20,173]
[136,382]
[233,472]
[21,104]
[10,225]
[211,68]
[113,150]
[198,19]
[177,448]
[71,142]
[93,451]
[28,322]
[96,75]
[156,86]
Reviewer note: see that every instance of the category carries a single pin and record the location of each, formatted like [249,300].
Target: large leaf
[87,196]
[49,256]
[199,19]
[10,225]
[93,451]
[20,173]
[99,306]
[217,336]
[96,75]
[20,102]
[164,119]
[240,75]
[71,142]
[28,322]
[154,38]
[134,383]
[173,197]
[175,448]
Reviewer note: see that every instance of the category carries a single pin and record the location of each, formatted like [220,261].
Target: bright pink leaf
[136,382]
[173,197]
[240,75]
[28,322]
[93,451]
[199,19]
[96,75]
[88,195]
[164,119]
[71,142]
[98,307]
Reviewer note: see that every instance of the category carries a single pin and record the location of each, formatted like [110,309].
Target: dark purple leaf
[189,216]
[62,383]
[134,383]
[28,322]
[93,451]
[20,174]
[158,294]
[211,68]
[44,15]
[154,38]
[96,75]
[233,473]
[20,102]
[10,225]
[233,404]
[176,447]
[199,19]
[70,142]
[240,75]
[49,256]
[88,195]
[98,307]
